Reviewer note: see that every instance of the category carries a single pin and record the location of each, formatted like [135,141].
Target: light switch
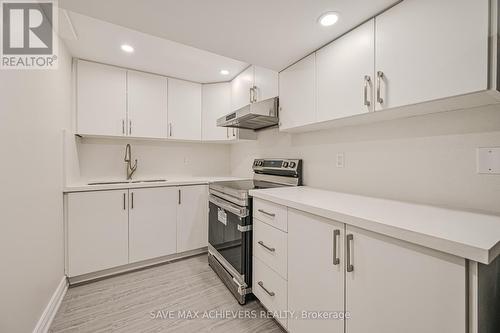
[340,160]
[488,160]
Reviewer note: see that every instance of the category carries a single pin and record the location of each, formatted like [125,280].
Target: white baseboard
[50,311]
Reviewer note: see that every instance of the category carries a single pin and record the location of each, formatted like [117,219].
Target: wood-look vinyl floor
[127,303]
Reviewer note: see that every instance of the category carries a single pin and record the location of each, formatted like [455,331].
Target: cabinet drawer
[270,288]
[270,246]
[271,213]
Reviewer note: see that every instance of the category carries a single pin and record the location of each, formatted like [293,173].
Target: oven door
[229,234]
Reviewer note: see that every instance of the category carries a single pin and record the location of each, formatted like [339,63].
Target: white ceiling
[100,41]
[269,33]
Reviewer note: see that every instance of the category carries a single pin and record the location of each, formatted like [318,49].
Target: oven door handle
[228,206]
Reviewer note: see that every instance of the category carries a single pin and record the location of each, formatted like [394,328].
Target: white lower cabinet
[395,287]
[271,289]
[270,246]
[192,218]
[97,231]
[111,228]
[379,283]
[152,222]
[315,272]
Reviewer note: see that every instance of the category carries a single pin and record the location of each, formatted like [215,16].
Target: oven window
[225,237]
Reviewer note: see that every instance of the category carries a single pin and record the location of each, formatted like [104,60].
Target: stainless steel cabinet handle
[169,129]
[254,94]
[124,204]
[270,293]
[130,127]
[380,76]
[227,132]
[234,132]
[350,266]
[336,234]
[132,199]
[271,249]
[367,84]
[251,95]
[268,214]
[179,196]
[123,126]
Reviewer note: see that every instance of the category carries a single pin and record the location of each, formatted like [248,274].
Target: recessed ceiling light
[328,19]
[224,72]
[127,48]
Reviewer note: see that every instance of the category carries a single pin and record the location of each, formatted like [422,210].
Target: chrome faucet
[128,159]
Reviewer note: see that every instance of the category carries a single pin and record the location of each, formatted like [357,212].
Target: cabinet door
[430,49]
[240,88]
[152,222]
[216,102]
[192,218]
[298,94]
[265,83]
[97,231]
[101,99]
[147,105]
[345,74]
[315,279]
[184,110]
[399,287]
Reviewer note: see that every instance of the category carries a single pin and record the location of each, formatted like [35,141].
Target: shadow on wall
[478,120]
[429,159]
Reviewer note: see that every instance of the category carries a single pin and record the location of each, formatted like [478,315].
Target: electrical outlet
[340,160]
[488,160]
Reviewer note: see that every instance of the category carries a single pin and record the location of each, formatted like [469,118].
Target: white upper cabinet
[216,102]
[265,84]
[184,110]
[152,222]
[430,49]
[147,105]
[253,85]
[101,99]
[345,74]
[297,90]
[241,87]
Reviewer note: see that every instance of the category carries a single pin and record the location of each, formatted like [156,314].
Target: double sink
[129,182]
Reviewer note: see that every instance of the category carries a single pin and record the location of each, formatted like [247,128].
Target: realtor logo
[28,34]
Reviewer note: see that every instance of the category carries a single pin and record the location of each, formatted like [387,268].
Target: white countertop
[170,181]
[473,236]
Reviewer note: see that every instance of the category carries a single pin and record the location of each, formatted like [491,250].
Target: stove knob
[292,164]
[285,164]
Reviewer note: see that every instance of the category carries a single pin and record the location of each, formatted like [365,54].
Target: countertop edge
[174,182]
[484,256]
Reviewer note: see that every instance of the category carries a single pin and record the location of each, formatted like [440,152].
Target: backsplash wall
[428,159]
[102,159]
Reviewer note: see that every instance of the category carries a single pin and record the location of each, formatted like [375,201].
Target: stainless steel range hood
[254,116]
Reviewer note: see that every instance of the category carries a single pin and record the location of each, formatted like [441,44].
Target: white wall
[429,159]
[34,108]
[102,159]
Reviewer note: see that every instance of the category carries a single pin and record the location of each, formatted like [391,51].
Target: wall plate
[488,160]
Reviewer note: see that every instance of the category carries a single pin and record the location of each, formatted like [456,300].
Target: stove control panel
[274,166]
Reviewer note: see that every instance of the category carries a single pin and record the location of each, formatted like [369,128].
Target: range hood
[254,116]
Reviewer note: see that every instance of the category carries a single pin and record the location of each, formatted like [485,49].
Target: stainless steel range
[230,221]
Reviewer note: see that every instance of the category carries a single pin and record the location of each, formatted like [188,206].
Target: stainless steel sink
[148,181]
[109,183]
[129,182]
